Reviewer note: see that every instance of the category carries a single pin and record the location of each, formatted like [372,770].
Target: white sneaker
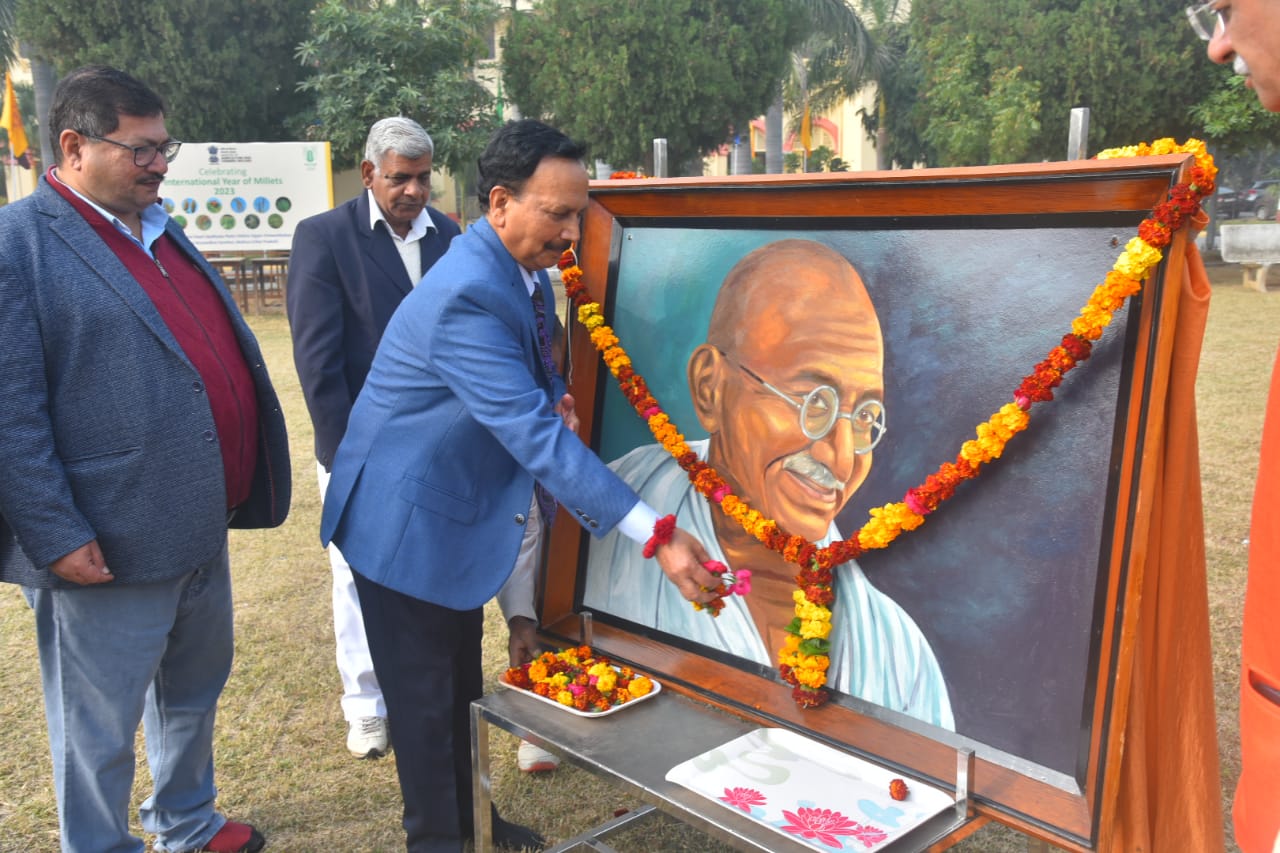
[535,759]
[367,737]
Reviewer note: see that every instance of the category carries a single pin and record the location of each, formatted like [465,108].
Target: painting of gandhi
[788,386]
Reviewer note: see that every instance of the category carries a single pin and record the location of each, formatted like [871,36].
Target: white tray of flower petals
[810,792]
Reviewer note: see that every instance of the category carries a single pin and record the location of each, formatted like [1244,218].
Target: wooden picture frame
[1024,583]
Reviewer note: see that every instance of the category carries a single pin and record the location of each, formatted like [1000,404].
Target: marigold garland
[803,660]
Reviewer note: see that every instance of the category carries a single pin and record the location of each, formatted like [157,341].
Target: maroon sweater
[197,318]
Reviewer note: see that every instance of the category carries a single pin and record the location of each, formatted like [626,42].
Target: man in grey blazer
[137,423]
[462,412]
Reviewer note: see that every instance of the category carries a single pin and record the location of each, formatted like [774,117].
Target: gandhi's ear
[706,373]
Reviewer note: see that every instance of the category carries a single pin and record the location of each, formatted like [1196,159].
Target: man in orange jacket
[1246,33]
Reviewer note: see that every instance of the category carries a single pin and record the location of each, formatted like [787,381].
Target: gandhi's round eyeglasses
[143,155]
[820,411]
[1206,18]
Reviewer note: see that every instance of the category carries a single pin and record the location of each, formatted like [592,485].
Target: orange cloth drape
[1170,792]
[1256,813]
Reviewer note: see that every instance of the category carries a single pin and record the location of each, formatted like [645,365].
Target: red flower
[808,698]
[820,824]
[1155,233]
[820,595]
[1079,347]
[743,798]
[898,789]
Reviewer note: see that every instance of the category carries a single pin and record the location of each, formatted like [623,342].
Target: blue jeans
[114,654]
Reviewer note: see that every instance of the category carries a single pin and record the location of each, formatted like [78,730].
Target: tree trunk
[740,150]
[882,134]
[43,80]
[773,136]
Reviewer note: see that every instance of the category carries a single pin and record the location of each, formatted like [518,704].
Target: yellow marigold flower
[820,662]
[973,453]
[537,671]
[640,686]
[1014,417]
[589,315]
[792,642]
[900,516]
[810,677]
[603,337]
[564,697]
[1088,327]
[676,446]
[558,680]
[607,681]
[1137,258]
[876,533]
[808,611]
[1124,285]
[815,629]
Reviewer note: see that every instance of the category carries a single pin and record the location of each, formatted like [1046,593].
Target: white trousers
[361,695]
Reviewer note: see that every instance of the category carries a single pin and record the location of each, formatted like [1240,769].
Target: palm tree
[841,55]
[8,39]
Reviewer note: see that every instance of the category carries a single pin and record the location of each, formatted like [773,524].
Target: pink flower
[742,582]
[823,825]
[716,567]
[870,835]
[913,503]
[743,798]
[720,494]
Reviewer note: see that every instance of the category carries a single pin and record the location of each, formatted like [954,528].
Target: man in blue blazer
[348,271]
[137,423]
[462,412]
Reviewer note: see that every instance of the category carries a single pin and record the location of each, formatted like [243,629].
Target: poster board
[1024,584]
[246,196]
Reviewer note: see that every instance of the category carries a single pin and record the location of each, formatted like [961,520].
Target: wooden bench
[1256,247]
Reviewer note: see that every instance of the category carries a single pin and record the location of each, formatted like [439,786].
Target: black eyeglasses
[143,155]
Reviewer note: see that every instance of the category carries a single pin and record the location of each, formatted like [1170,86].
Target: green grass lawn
[282,763]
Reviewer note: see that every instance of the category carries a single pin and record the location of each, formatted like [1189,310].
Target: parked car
[1259,201]
[1226,203]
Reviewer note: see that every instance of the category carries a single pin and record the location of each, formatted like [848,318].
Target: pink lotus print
[743,798]
[825,826]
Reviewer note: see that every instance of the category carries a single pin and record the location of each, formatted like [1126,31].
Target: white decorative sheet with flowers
[810,792]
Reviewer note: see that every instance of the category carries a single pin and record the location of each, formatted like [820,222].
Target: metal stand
[677,729]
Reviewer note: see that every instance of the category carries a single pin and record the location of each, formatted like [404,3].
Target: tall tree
[617,75]
[385,58]
[8,35]
[1233,119]
[838,56]
[225,69]
[1136,66]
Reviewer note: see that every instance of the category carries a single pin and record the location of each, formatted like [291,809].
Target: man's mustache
[808,467]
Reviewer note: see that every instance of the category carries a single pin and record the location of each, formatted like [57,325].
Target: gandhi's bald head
[797,315]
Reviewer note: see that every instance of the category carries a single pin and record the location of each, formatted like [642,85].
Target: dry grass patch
[282,761]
